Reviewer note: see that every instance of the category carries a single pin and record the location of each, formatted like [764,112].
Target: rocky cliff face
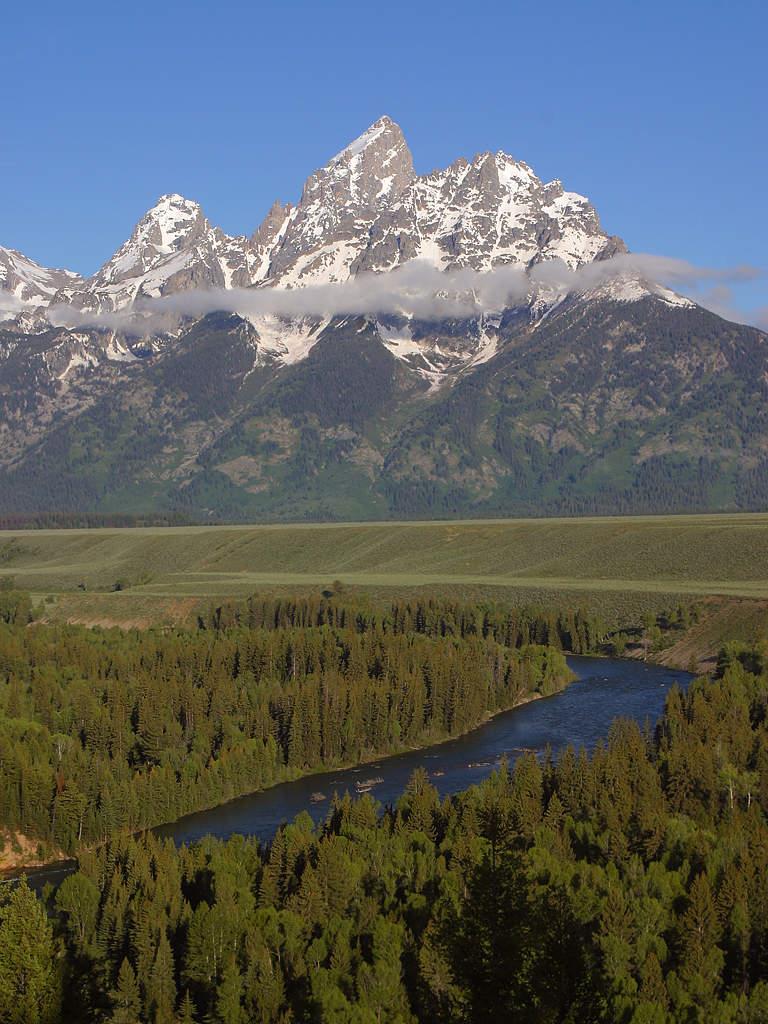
[328,230]
[490,212]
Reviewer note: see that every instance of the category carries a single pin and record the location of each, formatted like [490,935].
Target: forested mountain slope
[601,407]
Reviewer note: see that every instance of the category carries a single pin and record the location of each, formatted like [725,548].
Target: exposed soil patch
[20,851]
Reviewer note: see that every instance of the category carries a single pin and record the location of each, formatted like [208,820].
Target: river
[581,715]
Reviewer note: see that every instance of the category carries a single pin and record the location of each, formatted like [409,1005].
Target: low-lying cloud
[10,305]
[416,289]
[720,299]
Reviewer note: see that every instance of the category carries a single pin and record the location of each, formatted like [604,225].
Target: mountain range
[222,377]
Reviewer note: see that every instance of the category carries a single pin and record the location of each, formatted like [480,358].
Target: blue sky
[656,111]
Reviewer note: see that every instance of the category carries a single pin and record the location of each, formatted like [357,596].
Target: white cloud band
[416,289]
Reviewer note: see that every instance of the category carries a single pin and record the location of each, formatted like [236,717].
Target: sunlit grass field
[609,560]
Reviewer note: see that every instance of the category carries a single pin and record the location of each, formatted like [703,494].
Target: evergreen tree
[126,996]
[30,978]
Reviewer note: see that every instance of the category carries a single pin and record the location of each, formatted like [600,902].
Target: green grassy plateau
[612,562]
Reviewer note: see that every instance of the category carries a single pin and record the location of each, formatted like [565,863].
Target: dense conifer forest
[625,886]
[105,732]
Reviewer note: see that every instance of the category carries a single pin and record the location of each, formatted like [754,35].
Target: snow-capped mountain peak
[26,284]
[170,223]
[327,230]
[167,228]
[172,248]
[489,211]
[384,127]
[365,210]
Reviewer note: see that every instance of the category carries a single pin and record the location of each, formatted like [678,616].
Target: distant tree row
[88,520]
[572,630]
